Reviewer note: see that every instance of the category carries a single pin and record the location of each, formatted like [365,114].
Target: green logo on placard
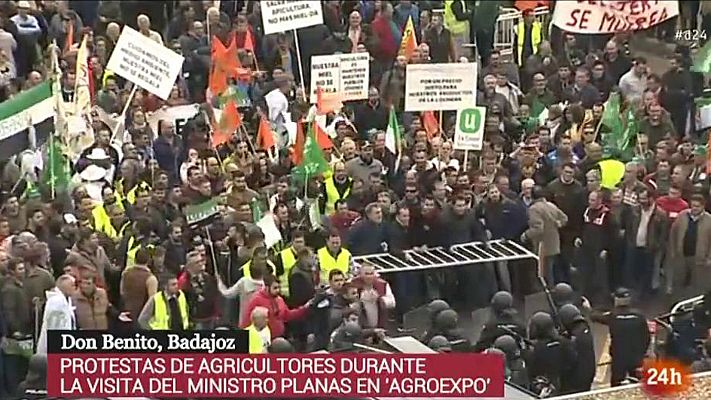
[470,121]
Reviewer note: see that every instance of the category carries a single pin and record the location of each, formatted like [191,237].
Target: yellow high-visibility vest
[332,195]
[288,260]
[101,218]
[130,196]
[256,343]
[247,266]
[161,317]
[536,38]
[327,263]
[450,21]
[132,250]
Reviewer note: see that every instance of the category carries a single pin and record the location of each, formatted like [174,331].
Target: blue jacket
[367,238]
[169,158]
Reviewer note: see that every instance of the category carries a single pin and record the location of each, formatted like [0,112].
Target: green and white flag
[393,139]
[202,213]
[30,108]
[702,60]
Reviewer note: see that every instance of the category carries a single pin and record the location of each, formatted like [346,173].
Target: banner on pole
[348,74]
[440,87]
[612,16]
[282,16]
[145,62]
[469,130]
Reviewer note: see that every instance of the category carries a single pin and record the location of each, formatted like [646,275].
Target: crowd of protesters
[115,251]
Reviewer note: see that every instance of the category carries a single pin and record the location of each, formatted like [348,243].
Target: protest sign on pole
[282,16]
[591,17]
[145,63]
[469,128]
[440,87]
[348,74]
[179,115]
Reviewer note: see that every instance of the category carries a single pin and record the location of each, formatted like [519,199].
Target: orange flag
[327,102]
[409,40]
[265,137]
[322,138]
[249,41]
[297,155]
[523,5]
[430,123]
[225,65]
[69,41]
[229,122]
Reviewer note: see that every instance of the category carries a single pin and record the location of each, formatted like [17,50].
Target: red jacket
[279,313]
[672,206]
[387,48]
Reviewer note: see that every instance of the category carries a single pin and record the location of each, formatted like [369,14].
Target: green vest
[161,317]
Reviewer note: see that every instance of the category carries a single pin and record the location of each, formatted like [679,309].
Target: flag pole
[301,67]
[122,117]
[466,161]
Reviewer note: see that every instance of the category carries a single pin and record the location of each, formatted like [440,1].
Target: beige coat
[544,220]
[703,241]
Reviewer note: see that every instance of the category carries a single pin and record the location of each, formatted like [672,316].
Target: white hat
[97,154]
[23,4]
[93,173]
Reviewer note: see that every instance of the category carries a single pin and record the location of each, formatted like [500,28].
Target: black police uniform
[629,340]
[505,323]
[583,372]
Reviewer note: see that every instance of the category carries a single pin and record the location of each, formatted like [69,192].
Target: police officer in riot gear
[280,345]
[433,309]
[515,364]
[503,320]
[578,331]
[629,337]
[446,324]
[551,355]
[440,344]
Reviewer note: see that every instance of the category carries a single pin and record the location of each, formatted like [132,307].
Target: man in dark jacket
[369,235]
[408,285]
[582,91]
[16,310]
[474,283]
[599,232]
[168,149]
[370,115]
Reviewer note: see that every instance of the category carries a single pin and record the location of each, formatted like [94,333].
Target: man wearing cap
[365,164]
[629,337]
[29,30]
[93,179]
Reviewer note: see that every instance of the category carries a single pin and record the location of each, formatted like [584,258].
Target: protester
[245,189]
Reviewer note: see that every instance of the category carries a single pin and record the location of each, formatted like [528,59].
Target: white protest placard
[469,130]
[355,76]
[178,114]
[325,73]
[282,16]
[348,74]
[612,16]
[440,87]
[145,63]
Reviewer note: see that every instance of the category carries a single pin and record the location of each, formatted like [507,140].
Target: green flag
[56,174]
[257,213]
[611,115]
[702,60]
[537,107]
[631,130]
[201,214]
[314,163]
[31,191]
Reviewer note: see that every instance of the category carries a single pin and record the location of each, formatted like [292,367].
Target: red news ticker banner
[263,376]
